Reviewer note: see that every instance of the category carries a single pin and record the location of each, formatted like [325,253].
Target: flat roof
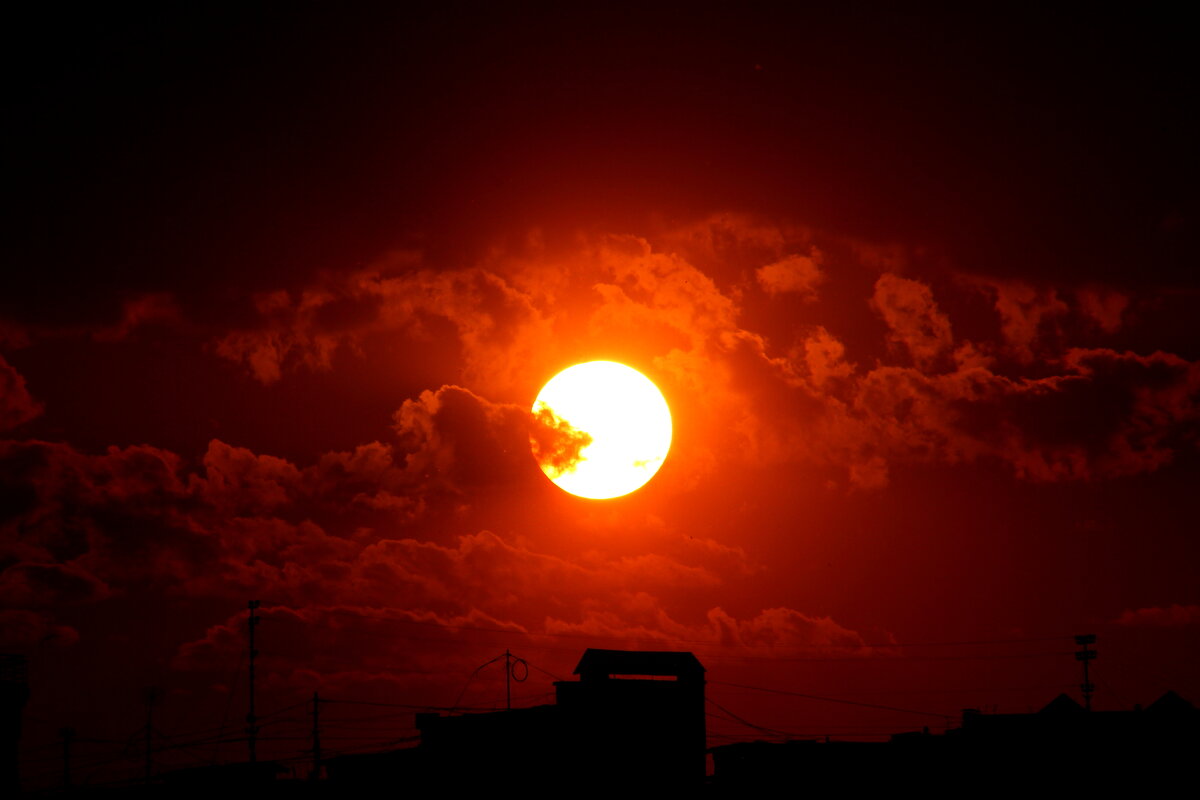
[639,662]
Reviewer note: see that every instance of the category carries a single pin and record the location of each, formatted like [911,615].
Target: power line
[545,672]
[742,721]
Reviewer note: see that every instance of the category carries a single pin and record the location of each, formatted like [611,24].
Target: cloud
[289,335]
[1106,307]
[142,514]
[239,524]
[913,319]
[1106,415]
[1141,409]
[457,440]
[675,303]
[825,357]
[496,324]
[144,310]
[20,629]
[17,406]
[640,621]
[415,655]
[71,507]
[1171,616]
[795,273]
[330,641]
[237,482]
[47,586]
[643,289]
[556,445]
[726,244]
[1026,313]
[1086,414]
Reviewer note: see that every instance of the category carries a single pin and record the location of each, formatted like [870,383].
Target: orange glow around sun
[627,419]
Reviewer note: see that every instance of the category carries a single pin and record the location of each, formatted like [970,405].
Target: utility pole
[151,696]
[251,719]
[316,738]
[67,734]
[507,680]
[510,662]
[510,666]
[1085,656]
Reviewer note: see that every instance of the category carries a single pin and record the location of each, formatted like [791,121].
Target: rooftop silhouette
[632,718]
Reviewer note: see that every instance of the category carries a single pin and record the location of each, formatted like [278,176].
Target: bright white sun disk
[627,418]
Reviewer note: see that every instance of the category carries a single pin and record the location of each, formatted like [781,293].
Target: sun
[626,418]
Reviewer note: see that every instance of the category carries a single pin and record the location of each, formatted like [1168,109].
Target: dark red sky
[280,287]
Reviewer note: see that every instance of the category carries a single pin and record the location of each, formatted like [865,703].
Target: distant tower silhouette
[14,692]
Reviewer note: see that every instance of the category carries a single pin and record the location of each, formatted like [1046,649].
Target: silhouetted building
[1060,745]
[1129,746]
[639,714]
[633,719]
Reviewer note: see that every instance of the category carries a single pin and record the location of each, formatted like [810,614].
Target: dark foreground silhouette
[633,723]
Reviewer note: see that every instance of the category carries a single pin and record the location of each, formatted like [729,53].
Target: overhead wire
[745,722]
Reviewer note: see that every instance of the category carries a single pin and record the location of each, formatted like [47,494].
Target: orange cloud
[913,319]
[796,273]
[825,357]
[1026,313]
[676,303]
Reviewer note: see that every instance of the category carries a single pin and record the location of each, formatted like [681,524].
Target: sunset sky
[280,288]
